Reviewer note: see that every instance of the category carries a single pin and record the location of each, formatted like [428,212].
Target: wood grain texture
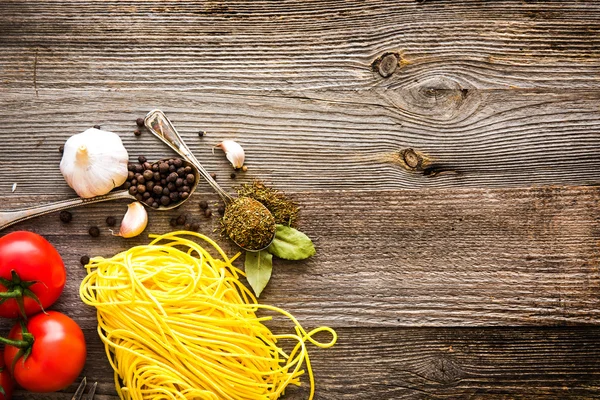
[327,140]
[404,258]
[309,45]
[428,363]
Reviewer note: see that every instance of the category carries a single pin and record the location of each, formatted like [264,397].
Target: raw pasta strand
[177,323]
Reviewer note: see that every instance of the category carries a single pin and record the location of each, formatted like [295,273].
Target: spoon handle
[158,123]
[11,217]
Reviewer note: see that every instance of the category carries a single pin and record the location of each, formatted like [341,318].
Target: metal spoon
[11,217]
[157,122]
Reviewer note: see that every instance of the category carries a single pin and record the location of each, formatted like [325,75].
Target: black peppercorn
[187,170]
[188,226]
[201,133]
[172,168]
[232,175]
[221,210]
[157,189]
[139,197]
[165,200]
[149,200]
[94,231]
[184,195]
[130,175]
[111,221]
[61,148]
[147,165]
[174,196]
[207,213]
[156,176]
[150,186]
[84,260]
[137,132]
[133,190]
[131,167]
[126,185]
[139,169]
[179,182]
[148,175]
[171,186]
[185,189]
[178,162]
[134,182]
[203,204]
[146,195]
[181,219]
[172,177]
[140,122]
[163,182]
[190,178]
[142,159]
[141,188]
[155,167]
[65,216]
[195,226]
[166,191]
[97,127]
[155,205]
[163,167]
[173,222]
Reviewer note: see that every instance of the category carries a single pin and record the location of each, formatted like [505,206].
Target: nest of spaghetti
[177,323]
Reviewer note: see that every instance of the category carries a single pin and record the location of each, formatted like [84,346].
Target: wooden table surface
[446,155]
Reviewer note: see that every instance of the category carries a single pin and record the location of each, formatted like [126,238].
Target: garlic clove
[94,162]
[135,220]
[234,152]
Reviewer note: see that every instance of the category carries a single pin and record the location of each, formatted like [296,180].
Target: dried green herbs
[248,223]
[283,209]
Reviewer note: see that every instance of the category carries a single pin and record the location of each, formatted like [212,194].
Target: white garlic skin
[234,152]
[135,220]
[94,162]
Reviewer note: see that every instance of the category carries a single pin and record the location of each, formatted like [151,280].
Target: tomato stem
[18,289]
[26,342]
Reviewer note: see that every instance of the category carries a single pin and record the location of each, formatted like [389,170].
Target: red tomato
[56,356]
[30,269]
[6,381]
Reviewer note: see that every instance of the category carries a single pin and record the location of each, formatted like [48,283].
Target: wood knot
[412,159]
[386,64]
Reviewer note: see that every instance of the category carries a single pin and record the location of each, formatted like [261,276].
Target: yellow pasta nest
[178,324]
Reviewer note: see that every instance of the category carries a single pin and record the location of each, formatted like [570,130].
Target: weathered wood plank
[316,45]
[327,140]
[527,363]
[405,258]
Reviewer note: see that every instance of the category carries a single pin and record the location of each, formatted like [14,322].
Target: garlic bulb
[233,151]
[135,220]
[94,162]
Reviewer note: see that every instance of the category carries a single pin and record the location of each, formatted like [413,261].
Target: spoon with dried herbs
[246,221]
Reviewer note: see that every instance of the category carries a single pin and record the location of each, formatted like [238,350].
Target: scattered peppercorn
[181,219]
[84,260]
[94,231]
[137,132]
[203,204]
[142,159]
[207,213]
[201,133]
[61,148]
[97,127]
[65,216]
[140,122]
[111,221]
[232,175]
[195,226]
[221,210]
[173,222]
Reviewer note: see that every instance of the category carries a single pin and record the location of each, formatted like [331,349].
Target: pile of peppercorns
[159,184]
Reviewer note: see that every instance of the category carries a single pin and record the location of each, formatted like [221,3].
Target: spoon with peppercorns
[247,221]
[161,185]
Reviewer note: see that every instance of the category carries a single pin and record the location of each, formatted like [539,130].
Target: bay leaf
[258,267]
[291,244]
